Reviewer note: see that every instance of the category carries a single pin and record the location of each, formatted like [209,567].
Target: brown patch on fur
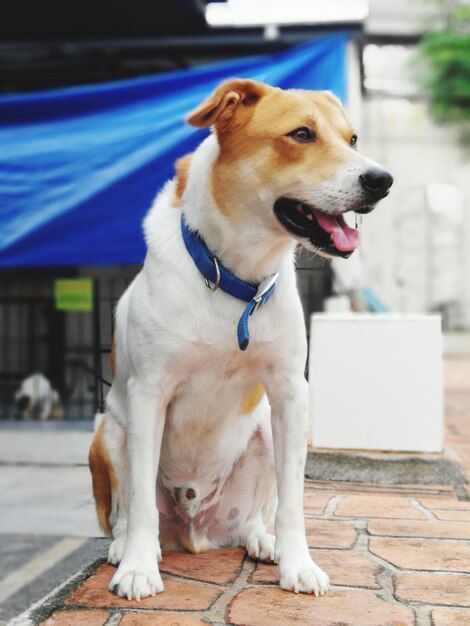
[182,171]
[104,478]
[229,106]
[259,160]
[112,358]
[251,399]
[209,497]
[258,155]
[233,513]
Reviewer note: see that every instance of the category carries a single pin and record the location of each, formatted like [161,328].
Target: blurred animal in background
[36,399]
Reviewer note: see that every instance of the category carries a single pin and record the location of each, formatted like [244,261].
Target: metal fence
[72,348]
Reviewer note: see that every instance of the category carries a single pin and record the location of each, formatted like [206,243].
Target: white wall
[413,259]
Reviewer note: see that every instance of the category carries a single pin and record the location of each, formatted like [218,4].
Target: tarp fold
[79,166]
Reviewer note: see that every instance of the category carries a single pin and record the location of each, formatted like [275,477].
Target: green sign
[74,294]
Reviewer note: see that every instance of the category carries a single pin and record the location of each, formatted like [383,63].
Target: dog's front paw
[307,578]
[298,573]
[116,550]
[137,581]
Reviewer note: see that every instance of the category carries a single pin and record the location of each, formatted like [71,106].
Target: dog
[36,399]
[205,434]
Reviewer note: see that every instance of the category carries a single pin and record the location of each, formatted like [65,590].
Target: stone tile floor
[396,556]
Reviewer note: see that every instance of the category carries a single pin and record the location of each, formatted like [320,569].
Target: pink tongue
[344,237]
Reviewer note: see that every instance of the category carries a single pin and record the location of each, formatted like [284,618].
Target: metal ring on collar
[214,286]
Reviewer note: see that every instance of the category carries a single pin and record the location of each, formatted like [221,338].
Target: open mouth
[329,233]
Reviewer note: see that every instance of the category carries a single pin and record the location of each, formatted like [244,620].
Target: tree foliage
[446,49]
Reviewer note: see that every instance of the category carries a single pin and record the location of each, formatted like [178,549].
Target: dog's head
[23,403]
[293,155]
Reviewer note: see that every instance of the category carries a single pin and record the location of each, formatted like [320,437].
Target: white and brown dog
[36,399]
[185,457]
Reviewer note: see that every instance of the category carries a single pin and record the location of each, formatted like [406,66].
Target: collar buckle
[263,288]
[214,286]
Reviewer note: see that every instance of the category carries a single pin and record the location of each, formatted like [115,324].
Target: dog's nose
[376,182]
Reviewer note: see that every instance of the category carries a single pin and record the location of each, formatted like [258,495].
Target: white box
[376,382]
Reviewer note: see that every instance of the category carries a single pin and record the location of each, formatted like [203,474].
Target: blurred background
[92,103]
[91,113]
[80,165]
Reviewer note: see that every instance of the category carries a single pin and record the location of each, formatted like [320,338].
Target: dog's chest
[215,408]
[213,381]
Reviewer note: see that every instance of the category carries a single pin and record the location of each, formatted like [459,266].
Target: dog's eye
[353,141]
[302,135]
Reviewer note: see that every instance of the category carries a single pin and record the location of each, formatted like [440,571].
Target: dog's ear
[229,106]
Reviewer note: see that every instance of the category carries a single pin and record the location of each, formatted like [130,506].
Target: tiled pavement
[396,556]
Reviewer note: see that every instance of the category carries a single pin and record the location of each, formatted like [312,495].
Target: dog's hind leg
[258,542]
[108,465]
[249,499]
[117,445]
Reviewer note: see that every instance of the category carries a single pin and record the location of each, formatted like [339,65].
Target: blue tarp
[79,166]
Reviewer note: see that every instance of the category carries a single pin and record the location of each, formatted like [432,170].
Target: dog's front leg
[289,405]
[46,408]
[138,575]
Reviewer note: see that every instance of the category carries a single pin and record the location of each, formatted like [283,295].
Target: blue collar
[219,277]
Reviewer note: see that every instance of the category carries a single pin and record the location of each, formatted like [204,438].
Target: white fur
[42,396]
[343,191]
[179,383]
[193,469]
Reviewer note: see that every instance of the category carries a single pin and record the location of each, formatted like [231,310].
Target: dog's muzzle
[329,232]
